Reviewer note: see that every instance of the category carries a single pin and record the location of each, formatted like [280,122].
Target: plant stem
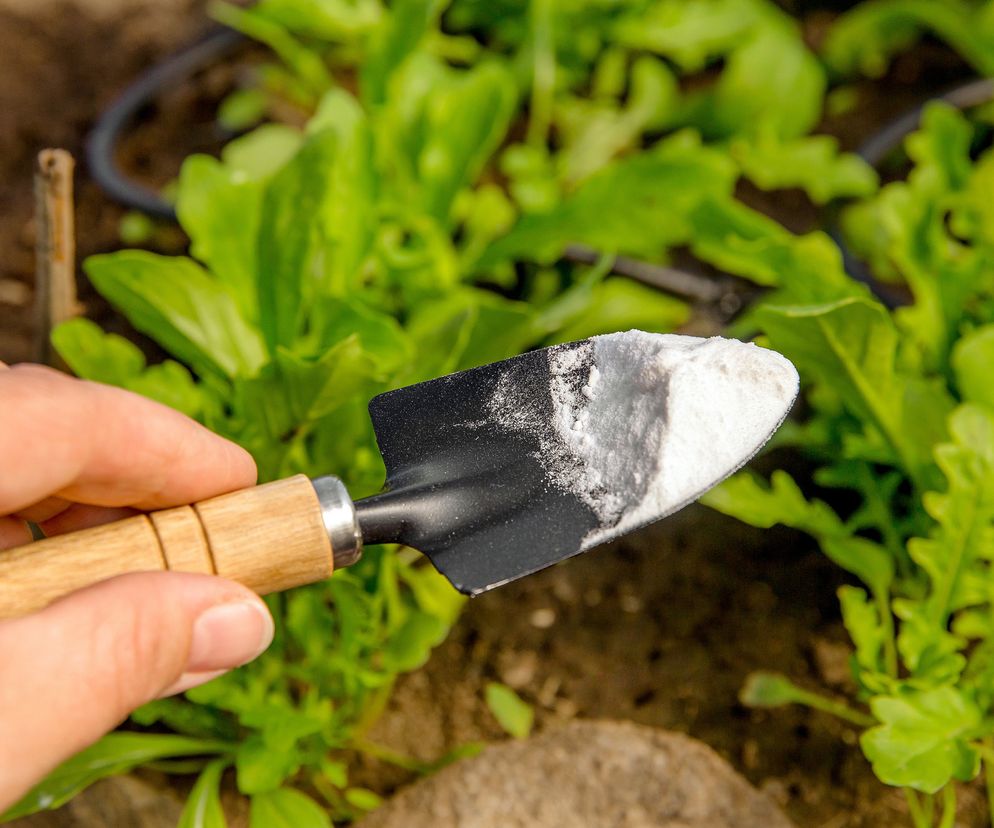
[838,709]
[390,756]
[887,620]
[543,72]
[989,777]
[918,816]
[948,806]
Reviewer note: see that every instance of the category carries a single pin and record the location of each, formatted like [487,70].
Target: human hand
[75,454]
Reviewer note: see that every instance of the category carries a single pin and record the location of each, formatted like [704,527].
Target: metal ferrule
[338,512]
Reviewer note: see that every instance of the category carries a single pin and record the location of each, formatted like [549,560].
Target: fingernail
[229,635]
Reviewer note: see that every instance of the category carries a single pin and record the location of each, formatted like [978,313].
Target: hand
[75,454]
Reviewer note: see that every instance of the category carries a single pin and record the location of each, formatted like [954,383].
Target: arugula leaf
[329,181]
[181,307]
[286,808]
[203,808]
[866,38]
[638,205]
[923,739]
[851,346]
[812,162]
[972,358]
[114,754]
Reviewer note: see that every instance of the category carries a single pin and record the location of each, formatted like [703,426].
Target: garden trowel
[492,473]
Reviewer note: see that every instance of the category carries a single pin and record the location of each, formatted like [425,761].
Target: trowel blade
[499,471]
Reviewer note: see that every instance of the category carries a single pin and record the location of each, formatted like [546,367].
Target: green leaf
[409,648]
[392,42]
[363,799]
[972,358]
[203,806]
[770,81]
[331,20]
[638,205]
[964,533]
[286,808]
[316,227]
[179,305]
[95,355]
[261,152]
[595,131]
[261,769]
[620,305]
[219,210]
[743,497]
[514,715]
[306,64]
[866,38]
[923,741]
[812,163]
[768,690]
[850,346]
[242,109]
[480,103]
[114,754]
[866,629]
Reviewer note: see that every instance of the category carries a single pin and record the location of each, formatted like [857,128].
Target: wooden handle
[269,538]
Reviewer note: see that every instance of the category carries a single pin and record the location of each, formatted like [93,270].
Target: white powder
[642,424]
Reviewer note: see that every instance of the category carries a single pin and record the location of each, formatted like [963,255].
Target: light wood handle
[270,538]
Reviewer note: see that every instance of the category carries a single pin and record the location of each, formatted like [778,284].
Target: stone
[587,774]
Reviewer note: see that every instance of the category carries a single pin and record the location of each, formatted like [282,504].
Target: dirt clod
[587,774]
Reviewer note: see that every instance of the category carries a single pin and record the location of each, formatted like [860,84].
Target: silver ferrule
[338,512]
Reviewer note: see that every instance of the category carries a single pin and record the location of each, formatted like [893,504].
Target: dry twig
[55,269]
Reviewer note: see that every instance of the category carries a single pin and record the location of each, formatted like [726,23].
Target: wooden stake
[55,268]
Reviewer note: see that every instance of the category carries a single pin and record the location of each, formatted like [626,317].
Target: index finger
[104,446]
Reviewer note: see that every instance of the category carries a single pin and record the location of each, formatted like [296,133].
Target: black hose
[101,143]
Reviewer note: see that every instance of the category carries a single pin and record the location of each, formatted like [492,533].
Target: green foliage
[900,414]
[203,807]
[114,754]
[866,38]
[422,222]
[513,714]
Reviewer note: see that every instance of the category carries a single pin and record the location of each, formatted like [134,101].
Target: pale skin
[75,454]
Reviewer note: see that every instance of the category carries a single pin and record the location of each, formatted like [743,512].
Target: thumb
[75,670]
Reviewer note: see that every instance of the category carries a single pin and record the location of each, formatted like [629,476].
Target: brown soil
[661,630]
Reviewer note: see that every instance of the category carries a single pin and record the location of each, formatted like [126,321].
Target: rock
[120,801]
[588,774]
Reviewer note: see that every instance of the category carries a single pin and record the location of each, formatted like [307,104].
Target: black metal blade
[500,471]
[472,496]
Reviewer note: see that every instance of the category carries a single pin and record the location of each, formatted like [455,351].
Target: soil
[661,629]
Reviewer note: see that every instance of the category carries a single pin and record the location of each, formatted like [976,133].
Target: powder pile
[637,425]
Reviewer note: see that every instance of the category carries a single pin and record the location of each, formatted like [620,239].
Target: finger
[104,446]
[80,516]
[76,669]
[13,532]
[45,510]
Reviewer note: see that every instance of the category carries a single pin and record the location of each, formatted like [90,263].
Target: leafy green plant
[418,221]
[867,38]
[899,413]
